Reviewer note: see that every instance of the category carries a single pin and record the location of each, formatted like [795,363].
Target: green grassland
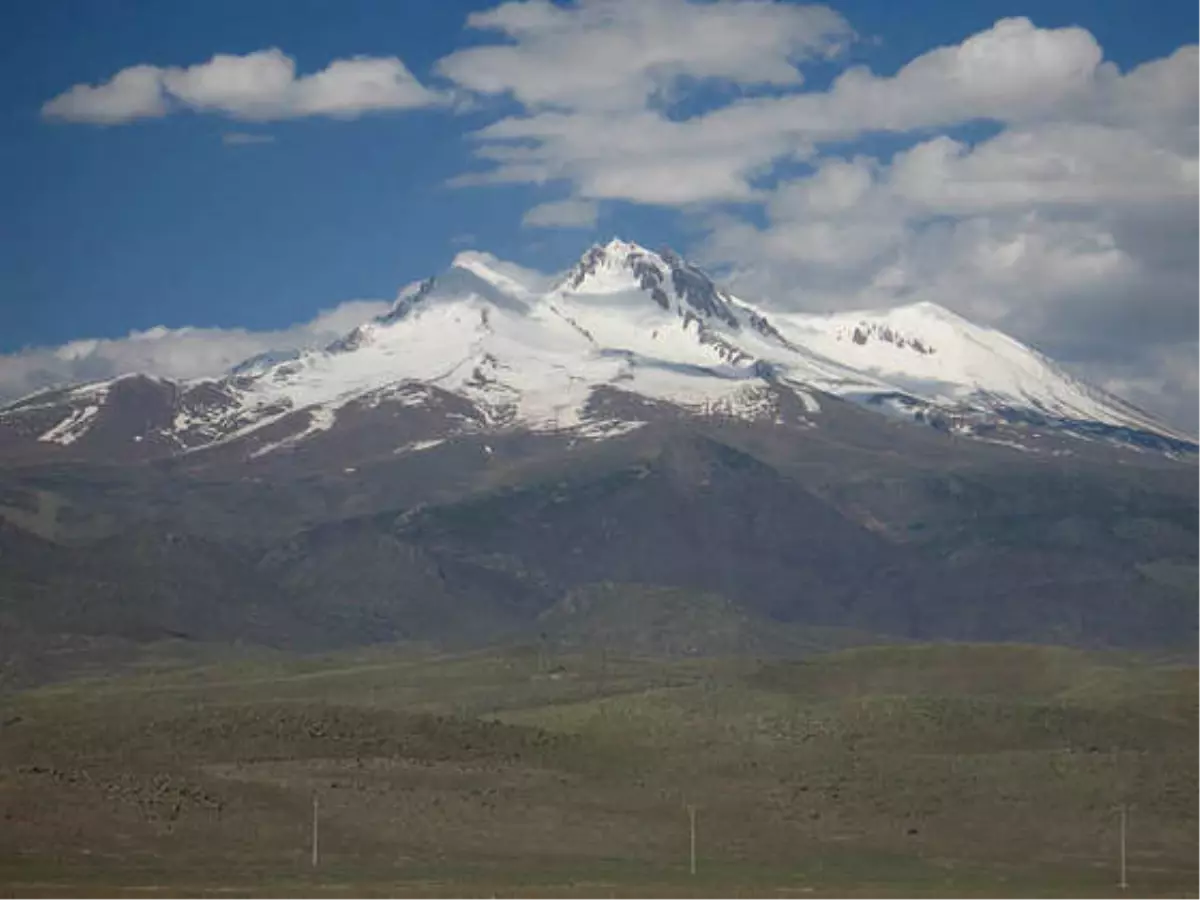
[551,769]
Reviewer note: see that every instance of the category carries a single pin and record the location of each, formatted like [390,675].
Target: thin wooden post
[692,827]
[1124,881]
[316,824]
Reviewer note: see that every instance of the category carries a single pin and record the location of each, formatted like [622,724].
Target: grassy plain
[931,770]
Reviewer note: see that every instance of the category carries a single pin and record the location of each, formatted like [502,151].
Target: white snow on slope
[934,354]
[72,428]
[614,309]
[321,418]
[523,358]
[418,446]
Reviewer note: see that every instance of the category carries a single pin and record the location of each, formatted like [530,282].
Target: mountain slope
[860,523]
[934,354]
[1025,554]
[488,347]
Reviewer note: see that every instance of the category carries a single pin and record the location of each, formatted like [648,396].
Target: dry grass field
[931,770]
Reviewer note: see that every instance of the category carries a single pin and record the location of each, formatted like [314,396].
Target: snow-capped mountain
[626,334]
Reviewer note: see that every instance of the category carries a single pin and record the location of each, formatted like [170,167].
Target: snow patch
[321,418]
[1000,442]
[72,428]
[809,401]
[607,428]
[418,446]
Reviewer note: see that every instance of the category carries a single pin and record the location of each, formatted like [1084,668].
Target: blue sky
[160,221]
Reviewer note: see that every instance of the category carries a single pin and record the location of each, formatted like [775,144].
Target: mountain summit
[625,336]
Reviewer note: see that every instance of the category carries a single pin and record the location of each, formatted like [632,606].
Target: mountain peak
[609,268]
[617,245]
[620,267]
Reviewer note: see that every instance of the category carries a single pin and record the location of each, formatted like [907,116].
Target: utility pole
[1124,881]
[315,827]
[692,824]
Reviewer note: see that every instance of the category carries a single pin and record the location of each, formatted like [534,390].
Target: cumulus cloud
[133,93]
[598,78]
[1012,72]
[639,156]
[613,55]
[258,86]
[170,352]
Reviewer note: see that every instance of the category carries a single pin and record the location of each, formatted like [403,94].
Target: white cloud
[1163,382]
[625,149]
[561,214]
[1013,71]
[597,78]
[170,352]
[1069,164]
[602,130]
[258,86]
[605,55]
[1157,97]
[637,156]
[133,93]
